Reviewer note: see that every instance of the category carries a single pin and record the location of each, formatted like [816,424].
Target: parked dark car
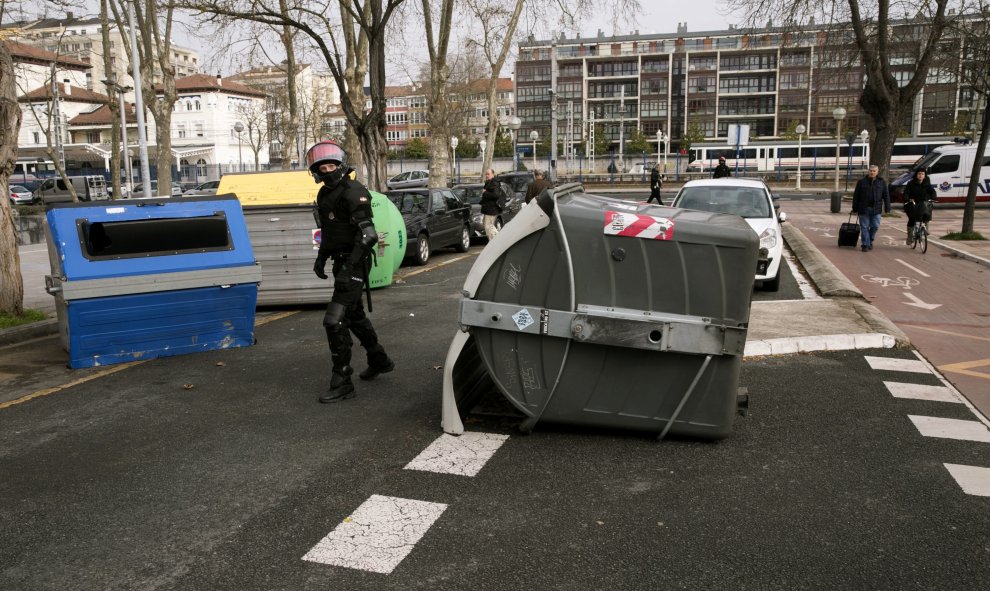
[472,195]
[520,181]
[434,218]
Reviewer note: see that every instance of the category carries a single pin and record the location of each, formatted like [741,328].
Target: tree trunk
[11,281]
[290,78]
[886,113]
[114,103]
[969,210]
[373,145]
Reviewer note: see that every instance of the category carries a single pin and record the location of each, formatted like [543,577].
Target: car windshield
[519,183]
[471,195]
[18,189]
[410,202]
[742,201]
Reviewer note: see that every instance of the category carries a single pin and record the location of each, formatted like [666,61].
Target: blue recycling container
[146,278]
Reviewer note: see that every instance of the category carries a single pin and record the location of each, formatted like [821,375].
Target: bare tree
[311,18]
[154,31]
[976,74]
[11,281]
[498,28]
[114,104]
[48,118]
[437,101]
[254,117]
[288,43]
[870,24]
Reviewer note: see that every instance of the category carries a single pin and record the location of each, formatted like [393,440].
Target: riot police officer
[348,236]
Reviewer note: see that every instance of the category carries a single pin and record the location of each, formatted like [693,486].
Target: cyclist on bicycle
[917,191]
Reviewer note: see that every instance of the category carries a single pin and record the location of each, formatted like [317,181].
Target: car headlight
[768,239]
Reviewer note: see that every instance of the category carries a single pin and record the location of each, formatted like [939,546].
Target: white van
[88,188]
[949,168]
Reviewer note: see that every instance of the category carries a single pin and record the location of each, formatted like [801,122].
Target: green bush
[27,317]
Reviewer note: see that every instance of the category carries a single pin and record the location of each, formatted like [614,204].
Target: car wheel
[772,284]
[465,242]
[422,249]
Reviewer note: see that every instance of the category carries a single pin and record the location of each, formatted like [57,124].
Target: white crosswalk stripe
[951,428]
[464,455]
[973,480]
[378,535]
[893,364]
[922,392]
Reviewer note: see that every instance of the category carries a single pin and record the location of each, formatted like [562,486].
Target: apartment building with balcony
[698,84]
[406,110]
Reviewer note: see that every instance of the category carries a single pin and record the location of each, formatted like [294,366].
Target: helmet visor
[324,152]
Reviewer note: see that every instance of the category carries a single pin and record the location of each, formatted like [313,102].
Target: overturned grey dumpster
[593,311]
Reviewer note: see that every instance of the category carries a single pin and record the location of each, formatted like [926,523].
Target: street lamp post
[482,144]
[662,139]
[453,161]
[800,129]
[514,123]
[534,136]
[838,114]
[864,136]
[238,128]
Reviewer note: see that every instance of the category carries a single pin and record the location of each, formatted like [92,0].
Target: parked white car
[19,195]
[207,188]
[753,201]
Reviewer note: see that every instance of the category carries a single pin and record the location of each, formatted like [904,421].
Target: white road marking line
[951,428]
[915,269]
[920,392]
[973,480]
[892,364]
[378,535]
[807,291]
[464,455]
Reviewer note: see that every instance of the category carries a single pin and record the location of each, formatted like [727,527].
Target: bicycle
[919,234]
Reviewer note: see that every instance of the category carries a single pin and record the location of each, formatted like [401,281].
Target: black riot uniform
[348,237]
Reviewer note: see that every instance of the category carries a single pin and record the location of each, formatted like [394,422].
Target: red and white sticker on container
[636,225]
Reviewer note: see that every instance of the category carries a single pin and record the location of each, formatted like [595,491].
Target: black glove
[318,267]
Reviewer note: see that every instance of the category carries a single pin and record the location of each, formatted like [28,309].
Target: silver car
[409,179]
[207,188]
[20,195]
[138,190]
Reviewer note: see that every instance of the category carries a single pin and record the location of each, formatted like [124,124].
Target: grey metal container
[282,238]
[587,310]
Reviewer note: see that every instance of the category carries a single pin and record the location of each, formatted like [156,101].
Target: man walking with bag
[870,200]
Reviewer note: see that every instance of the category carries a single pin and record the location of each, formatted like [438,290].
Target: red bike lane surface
[942,302]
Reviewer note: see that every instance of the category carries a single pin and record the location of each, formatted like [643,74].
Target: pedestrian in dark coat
[871,199]
[721,171]
[490,207]
[539,184]
[656,182]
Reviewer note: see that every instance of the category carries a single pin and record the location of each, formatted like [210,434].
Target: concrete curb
[26,332]
[826,276]
[961,253]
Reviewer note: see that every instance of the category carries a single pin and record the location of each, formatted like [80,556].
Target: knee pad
[334,317]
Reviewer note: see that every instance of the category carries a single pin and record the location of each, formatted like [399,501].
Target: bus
[816,154]
[30,170]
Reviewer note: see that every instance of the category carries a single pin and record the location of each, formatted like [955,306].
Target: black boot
[377,366]
[341,387]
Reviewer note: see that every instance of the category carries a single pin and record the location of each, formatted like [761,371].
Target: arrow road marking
[915,269]
[916,302]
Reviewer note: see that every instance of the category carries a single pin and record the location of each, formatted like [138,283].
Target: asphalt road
[221,471]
